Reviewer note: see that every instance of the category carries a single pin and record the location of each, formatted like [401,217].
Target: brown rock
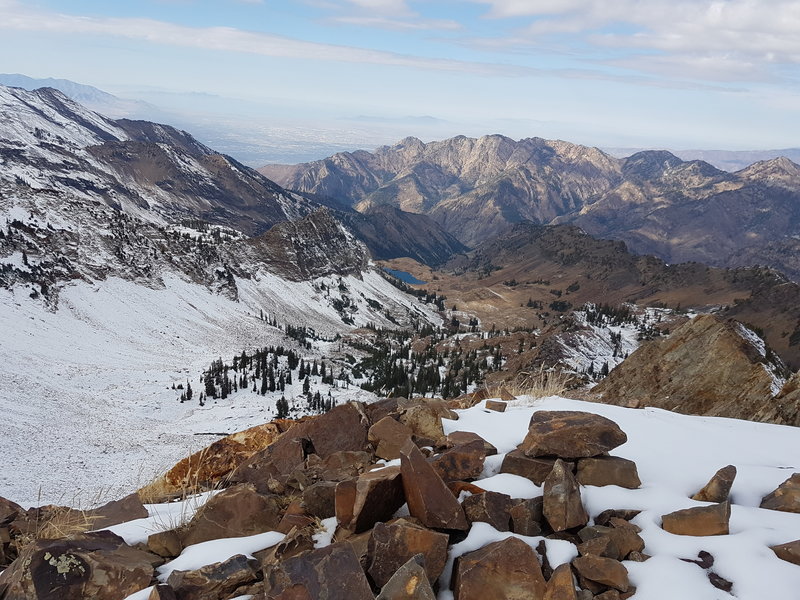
[571,434]
[561,585]
[456,487]
[385,407]
[319,499]
[118,511]
[369,498]
[608,595]
[608,470]
[166,544]
[786,497]
[562,499]
[506,396]
[460,463]
[527,517]
[701,520]
[606,571]
[535,469]
[235,512]
[294,517]
[719,486]
[162,591]
[343,465]
[424,421]
[393,544]
[490,507]
[604,517]
[216,581]
[616,541]
[636,556]
[428,498]
[496,405]
[330,573]
[96,565]
[462,438]
[600,546]
[388,435]
[296,543]
[789,551]
[9,511]
[408,583]
[507,569]
[360,544]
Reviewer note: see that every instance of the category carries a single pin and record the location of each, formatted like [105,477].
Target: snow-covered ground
[86,392]
[676,455]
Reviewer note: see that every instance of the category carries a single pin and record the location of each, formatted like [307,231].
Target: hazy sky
[675,73]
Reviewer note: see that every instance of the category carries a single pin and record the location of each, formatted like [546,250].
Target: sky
[315,75]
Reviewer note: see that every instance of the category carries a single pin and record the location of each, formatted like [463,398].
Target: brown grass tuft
[541,383]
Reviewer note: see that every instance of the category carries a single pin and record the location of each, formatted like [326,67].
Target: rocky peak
[779,171]
[650,164]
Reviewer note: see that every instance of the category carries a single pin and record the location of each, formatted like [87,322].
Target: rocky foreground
[405,499]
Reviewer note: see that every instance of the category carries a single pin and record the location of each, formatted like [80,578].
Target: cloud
[399,24]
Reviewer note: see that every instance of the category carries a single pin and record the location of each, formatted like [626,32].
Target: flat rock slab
[534,468]
[392,545]
[388,436]
[605,571]
[460,463]
[701,520]
[786,497]
[608,470]
[571,434]
[490,507]
[218,580]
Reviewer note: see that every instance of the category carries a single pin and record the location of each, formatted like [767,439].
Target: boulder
[571,434]
[216,581]
[408,583]
[719,486]
[128,508]
[9,511]
[460,463]
[294,517]
[700,520]
[608,470]
[166,544]
[330,573]
[789,551]
[490,507]
[496,405]
[507,569]
[561,585]
[369,498]
[342,465]
[535,469]
[604,517]
[786,497]
[319,499]
[462,438]
[605,571]
[297,542]
[562,506]
[162,591]
[428,498]
[527,517]
[388,435]
[424,417]
[97,565]
[393,544]
[614,541]
[234,512]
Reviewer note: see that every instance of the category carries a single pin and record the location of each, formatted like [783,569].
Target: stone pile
[394,525]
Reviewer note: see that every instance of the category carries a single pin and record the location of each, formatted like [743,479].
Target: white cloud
[400,24]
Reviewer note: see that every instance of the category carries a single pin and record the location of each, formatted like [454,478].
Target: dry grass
[540,384]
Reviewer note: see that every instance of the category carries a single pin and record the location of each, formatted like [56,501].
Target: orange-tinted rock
[490,507]
[235,512]
[496,405]
[295,516]
[719,486]
[428,498]
[369,498]
[507,569]
[571,434]
[393,544]
[605,571]
[563,508]
[608,470]
[456,487]
[786,497]
[408,583]
[535,469]
[218,580]
[527,517]
[561,585]
[789,551]
[424,421]
[460,463]
[701,520]
[388,435]
[462,438]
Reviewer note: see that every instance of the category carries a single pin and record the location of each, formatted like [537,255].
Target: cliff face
[706,367]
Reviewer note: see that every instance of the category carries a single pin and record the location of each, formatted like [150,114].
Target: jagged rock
[527,517]
[604,517]
[490,507]
[786,497]
[605,571]
[496,405]
[428,498]
[385,407]
[456,487]
[506,569]
[162,591]
[462,438]
[608,470]
[719,486]
[424,421]
[234,512]
[461,462]
[408,583]
[388,435]
[393,544]
[319,499]
[600,546]
[533,468]
[297,542]
[117,511]
[342,465]
[216,581]
[330,573]
[616,541]
[700,520]
[96,565]
[9,510]
[608,595]
[166,544]
[369,498]
[562,499]
[295,516]
[571,434]
[789,551]
[561,585]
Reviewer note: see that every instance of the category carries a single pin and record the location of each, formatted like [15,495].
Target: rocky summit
[311,511]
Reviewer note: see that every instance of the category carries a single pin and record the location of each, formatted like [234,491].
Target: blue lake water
[404,276]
